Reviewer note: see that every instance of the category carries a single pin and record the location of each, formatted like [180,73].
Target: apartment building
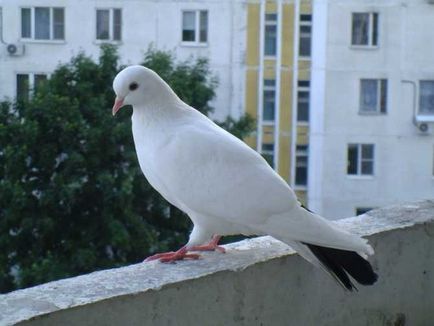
[38,35]
[278,85]
[259,50]
[372,98]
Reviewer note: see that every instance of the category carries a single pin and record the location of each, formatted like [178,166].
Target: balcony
[257,282]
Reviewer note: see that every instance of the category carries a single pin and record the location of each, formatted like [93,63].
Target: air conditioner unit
[424,123]
[424,128]
[15,49]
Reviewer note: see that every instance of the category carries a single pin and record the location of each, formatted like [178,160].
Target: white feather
[221,183]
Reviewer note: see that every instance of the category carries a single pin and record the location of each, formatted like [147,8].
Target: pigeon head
[138,86]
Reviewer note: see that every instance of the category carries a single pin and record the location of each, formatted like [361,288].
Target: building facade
[278,84]
[371,127]
[49,32]
[259,51]
[348,122]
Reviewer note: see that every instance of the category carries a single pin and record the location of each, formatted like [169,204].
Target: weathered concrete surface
[258,282]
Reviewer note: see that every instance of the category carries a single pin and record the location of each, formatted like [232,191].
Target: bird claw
[208,248]
[211,246]
[158,256]
[181,254]
[172,256]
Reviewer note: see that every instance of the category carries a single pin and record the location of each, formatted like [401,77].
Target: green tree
[72,196]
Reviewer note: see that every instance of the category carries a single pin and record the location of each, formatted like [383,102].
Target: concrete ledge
[258,282]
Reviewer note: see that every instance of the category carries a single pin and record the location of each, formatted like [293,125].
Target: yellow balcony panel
[268,138]
[268,129]
[253,14]
[304,74]
[251,140]
[286,102]
[267,134]
[270,62]
[269,73]
[302,196]
[305,7]
[304,65]
[284,156]
[302,134]
[287,34]
[251,100]
[271,7]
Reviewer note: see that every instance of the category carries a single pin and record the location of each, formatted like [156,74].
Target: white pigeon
[223,185]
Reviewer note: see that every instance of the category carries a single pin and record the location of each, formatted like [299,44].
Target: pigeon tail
[341,263]
[320,242]
[302,226]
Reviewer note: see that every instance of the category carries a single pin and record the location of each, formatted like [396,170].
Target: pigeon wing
[212,172]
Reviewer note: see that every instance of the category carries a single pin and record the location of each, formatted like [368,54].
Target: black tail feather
[340,263]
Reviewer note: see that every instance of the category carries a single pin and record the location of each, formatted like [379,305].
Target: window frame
[371,30]
[303,89]
[360,160]
[31,82]
[32,38]
[269,88]
[382,91]
[306,23]
[111,26]
[269,152]
[197,25]
[273,23]
[301,153]
[424,116]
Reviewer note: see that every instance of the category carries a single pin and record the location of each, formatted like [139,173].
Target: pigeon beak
[119,102]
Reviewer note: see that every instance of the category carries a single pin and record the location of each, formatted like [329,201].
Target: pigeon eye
[133,86]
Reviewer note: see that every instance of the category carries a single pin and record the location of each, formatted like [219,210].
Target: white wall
[144,22]
[403,158]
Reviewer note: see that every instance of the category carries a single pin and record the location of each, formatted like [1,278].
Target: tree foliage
[72,196]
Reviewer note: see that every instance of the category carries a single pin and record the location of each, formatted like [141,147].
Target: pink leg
[170,257]
[211,246]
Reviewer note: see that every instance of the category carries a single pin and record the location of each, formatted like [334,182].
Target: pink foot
[170,257]
[212,246]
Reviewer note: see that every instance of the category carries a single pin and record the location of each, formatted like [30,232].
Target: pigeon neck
[161,95]
[166,110]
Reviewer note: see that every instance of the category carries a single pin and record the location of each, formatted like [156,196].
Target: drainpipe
[1,26]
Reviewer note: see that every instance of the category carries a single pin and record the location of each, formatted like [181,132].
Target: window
[39,80]
[270,42]
[373,95]
[360,159]
[195,26]
[268,153]
[43,23]
[305,35]
[362,210]
[426,97]
[301,161]
[28,84]
[23,88]
[303,101]
[108,24]
[365,29]
[269,101]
